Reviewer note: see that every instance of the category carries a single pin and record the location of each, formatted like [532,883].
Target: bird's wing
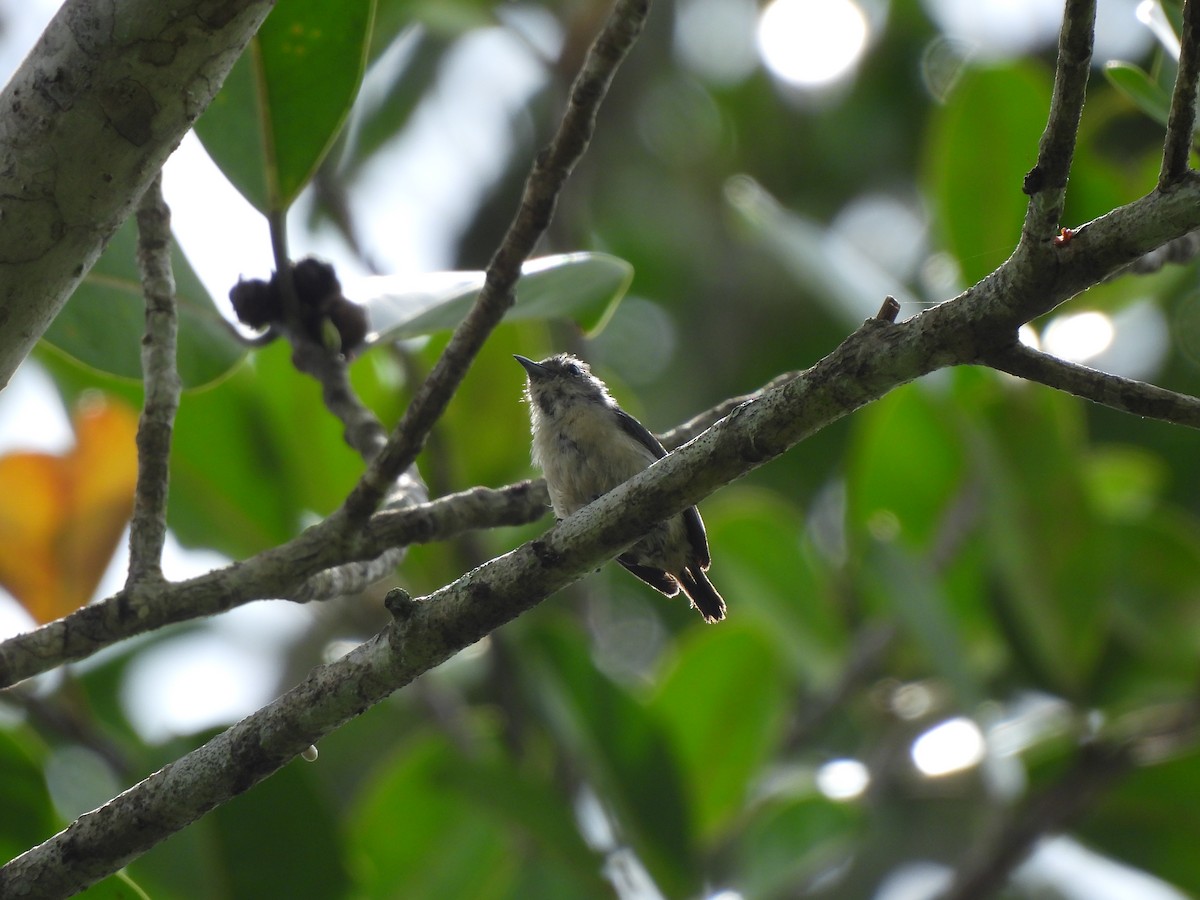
[640,433]
[697,539]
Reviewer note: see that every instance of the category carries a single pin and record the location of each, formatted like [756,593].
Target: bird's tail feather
[702,594]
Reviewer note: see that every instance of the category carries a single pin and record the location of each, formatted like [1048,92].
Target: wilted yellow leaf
[61,516]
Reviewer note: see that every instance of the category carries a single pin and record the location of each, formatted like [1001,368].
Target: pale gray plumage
[586,445]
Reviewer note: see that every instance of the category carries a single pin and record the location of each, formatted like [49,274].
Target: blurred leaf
[820,260]
[393,88]
[1053,557]
[63,515]
[1145,93]
[28,812]
[116,887]
[585,287]
[900,582]
[413,838]
[723,703]
[980,145]
[283,103]
[789,842]
[280,840]
[623,752]
[530,809]
[102,324]
[907,465]
[765,568]
[1150,819]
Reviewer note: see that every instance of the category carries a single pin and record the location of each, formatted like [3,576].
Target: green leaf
[286,98]
[102,324]
[982,142]
[723,703]
[1054,559]
[29,816]
[279,840]
[762,566]
[117,887]
[530,809]
[414,838]
[907,466]
[1135,83]
[585,287]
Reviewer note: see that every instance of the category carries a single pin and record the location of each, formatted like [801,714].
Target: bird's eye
[573,369]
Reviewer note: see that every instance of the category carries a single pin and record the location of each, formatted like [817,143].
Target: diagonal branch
[964,330]
[550,171]
[1181,122]
[1124,394]
[427,632]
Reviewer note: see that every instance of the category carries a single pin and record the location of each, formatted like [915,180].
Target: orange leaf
[61,516]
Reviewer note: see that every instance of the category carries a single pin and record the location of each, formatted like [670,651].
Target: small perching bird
[586,445]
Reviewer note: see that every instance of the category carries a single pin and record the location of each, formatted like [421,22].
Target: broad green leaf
[585,287]
[980,145]
[286,98]
[413,838]
[29,816]
[530,809]
[723,704]
[1135,83]
[1054,559]
[764,567]
[279,840]
[906,468]
[102,324]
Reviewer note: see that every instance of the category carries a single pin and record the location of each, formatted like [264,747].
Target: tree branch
[1124,394]
[279,572]
[148,527]
[428,631]
[1181,122]
[966,330]
[550,171]
[85,124]
[1046,183]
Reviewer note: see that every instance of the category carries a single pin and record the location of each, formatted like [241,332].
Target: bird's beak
[535,370]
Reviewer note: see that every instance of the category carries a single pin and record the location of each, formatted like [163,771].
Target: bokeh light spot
[952,746]
[811,43]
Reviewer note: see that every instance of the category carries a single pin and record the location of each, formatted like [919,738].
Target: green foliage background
[968,546]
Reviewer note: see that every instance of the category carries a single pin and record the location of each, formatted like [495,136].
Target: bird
[586,445]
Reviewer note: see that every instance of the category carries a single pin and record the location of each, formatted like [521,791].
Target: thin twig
[1046,184]
[550,171]
[1181,122]
[1123,394]
[148,528]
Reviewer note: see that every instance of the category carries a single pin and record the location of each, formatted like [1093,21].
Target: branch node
[889,310]
[400,604]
